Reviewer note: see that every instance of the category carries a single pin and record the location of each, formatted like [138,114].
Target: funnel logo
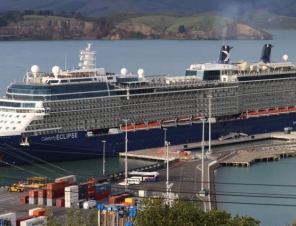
[227,56]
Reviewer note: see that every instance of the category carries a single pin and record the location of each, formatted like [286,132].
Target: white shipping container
[89,204]
[71,196]
[69,204]
[72,199]
[70,178]
[9,218]
[37,221]
[142,193]
[73,188]
[32,210]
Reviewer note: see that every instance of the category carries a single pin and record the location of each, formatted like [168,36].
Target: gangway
[230,135]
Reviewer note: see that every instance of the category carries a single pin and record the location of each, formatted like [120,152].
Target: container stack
[24,199]
[41,196]
[33,196]
[54,191]
[71,195]
[82,191]
[102,190]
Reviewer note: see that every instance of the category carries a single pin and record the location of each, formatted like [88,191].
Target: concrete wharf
[248,157]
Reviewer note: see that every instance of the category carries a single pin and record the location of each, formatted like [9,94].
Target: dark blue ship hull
[76,145]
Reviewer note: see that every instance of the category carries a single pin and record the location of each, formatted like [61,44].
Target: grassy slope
[171,23]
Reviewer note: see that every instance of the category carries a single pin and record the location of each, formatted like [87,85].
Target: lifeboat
[169,123]
[141,126]
[253,114]
[154,125]
[283,110]
[128,127]
[197,119]
[184,121]
[263,113]
[274,112]
[292,109]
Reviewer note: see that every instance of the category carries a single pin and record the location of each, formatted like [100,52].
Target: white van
[130,181]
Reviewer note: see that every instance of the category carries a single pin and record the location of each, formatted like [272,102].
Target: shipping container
[41,193]
[24,199]
[130,200]
[38,213]
[8,219]
[32,210]
[70,197]
[37,221]
[42,201]
[51,202]
[91,192]
[82,195]
[33,193]
[18,220]
[89,204]
[116,199]
[73,188]
[143,193]
[102,195]
[51,194]
[60,202]
[33,201]
[57,185]
[71,179]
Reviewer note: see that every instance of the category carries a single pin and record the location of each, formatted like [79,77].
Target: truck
[16,188]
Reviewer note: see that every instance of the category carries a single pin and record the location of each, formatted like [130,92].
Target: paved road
[186,179]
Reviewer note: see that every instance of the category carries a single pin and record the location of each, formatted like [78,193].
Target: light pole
[126,176]
[167,180]
[210,116]
[164,129]
[202,152]
[104,142]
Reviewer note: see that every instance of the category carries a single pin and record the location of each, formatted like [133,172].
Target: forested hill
[96,8]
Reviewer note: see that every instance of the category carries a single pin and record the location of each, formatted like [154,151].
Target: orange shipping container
[40,212]
[57,185]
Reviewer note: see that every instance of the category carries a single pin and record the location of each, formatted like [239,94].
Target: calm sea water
[165,57]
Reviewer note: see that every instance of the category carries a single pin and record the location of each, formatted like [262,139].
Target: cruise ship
[83,112]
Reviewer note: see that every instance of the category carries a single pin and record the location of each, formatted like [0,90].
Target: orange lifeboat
[263,113]
[292,109]
[283,110]
[274,112]
[128,127]
[253,114]
[152,125]
[141,126]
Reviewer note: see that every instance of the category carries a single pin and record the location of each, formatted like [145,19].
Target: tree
[186,213]
[181,29]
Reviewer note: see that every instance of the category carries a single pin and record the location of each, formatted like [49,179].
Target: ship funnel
[266,52]
[224,55]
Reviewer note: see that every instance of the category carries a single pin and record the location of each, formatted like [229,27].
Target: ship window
[24,116]
[109,78]
[5,121]
[12,122]
[1,121]
[19,122]
[17,116]
[13,127]
[7,128]
[10,116]
[0,127]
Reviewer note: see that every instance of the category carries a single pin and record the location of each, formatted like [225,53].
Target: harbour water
[164,57]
